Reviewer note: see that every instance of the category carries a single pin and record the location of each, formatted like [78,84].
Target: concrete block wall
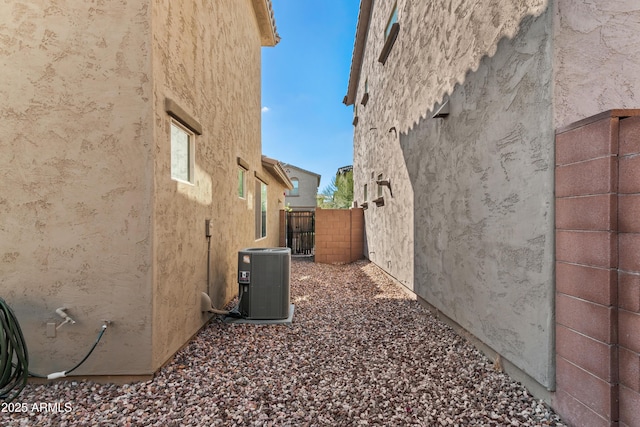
[598,270]
[339,235]
[629,271]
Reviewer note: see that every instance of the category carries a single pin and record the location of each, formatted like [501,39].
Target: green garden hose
[14,359]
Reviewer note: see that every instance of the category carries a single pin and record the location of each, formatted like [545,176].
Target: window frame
[295,191]
[393,18]
[242,182]
[175,175]
[261,209]
[365,204]
[391,31]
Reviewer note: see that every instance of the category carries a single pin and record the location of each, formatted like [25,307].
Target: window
[182,153]
[392,20]
[390,34]
[242,192]
[365,204]
[379,201]
[294,190]
[261,209]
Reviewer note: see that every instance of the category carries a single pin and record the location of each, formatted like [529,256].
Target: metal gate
[301,232]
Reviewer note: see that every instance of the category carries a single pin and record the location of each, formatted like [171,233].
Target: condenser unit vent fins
[264,281]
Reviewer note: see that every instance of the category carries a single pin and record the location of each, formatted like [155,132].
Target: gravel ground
[360,351]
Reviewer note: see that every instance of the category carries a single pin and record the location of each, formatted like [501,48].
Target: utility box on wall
[264,282]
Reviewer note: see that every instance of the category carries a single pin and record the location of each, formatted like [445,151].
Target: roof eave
[289,165]
[263,10]
[362,29]
[275,168]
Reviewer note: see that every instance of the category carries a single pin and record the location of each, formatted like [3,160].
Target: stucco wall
[451,37]
[76,179]
[597,57]
[470,222]
[207,59]
[484,211]
[464,186]
[90,217]
[389,228]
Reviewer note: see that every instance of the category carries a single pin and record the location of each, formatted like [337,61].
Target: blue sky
[304,79]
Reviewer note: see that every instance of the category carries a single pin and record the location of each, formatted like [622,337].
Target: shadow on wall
[474,48]
[483,221]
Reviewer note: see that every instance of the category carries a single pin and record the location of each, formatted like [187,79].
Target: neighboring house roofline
[364,16]
[275,168]
[289,165]
[344,169]
[266,22]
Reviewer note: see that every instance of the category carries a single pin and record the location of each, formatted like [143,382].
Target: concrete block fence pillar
[598,270]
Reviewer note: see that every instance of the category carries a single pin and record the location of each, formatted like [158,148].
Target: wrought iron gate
[301,232]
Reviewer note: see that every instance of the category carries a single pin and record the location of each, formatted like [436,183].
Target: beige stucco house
[303,195]
[456,107]
[125,127]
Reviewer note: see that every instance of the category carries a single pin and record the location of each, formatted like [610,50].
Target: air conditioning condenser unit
[264,282]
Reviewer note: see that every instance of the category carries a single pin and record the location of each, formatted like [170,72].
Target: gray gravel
[360,351]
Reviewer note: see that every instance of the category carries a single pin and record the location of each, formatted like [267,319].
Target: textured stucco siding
[307,189]
[597,57]
[470,223]
[484,212]
[439,42]
[207,59]
[90,218]
[469,226]
[389,228]
[76,179]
